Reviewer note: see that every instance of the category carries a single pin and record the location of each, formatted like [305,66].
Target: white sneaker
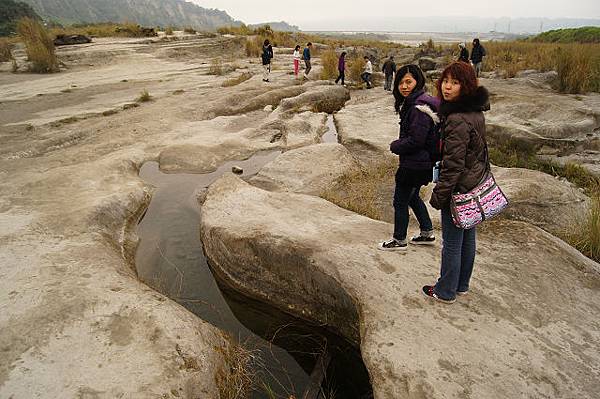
[392,245]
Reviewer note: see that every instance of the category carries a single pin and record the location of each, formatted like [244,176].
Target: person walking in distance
[389,68]
[464,164]
[267,55]
[464,53]
[414,147]
[341,68]
[306,56]
[477,54]
[367,72]
[296,60]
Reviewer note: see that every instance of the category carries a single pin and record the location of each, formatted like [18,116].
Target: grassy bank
[101,30]
[584,234]
[577,65]
[586,34]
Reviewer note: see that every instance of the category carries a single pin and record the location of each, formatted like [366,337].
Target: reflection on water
[169,259]
[331,135]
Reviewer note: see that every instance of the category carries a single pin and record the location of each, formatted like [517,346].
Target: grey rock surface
[527,327]
[309,170]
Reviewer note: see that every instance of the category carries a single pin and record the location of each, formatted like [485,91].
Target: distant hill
[281,26]
[177,13]
[10,12]
[587,34]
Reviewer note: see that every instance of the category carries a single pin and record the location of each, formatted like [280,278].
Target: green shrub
[586,34]
[39,46]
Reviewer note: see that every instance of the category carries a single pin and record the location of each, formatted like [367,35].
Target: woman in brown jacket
[464,164]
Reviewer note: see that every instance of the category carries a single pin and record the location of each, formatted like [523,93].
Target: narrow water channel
[331,135]
[170,259]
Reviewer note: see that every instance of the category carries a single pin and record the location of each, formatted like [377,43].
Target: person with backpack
[389,68]
[477,54]
[267,55]
[464,165]
[296,60]
[306,57]
[341,68]
[464,53]
[416,149]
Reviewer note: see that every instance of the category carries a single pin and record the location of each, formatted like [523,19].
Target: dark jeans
[341,77]
[458,256]
[367,78]
[405,196]
[308,66]
[388,81]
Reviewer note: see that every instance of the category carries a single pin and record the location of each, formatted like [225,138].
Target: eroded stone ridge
[528,326]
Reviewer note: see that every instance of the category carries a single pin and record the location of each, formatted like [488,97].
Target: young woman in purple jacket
[417,111]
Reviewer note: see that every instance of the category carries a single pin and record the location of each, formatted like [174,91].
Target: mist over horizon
[508,16]
[446,24]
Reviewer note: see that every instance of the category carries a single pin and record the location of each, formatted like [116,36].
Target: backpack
[434,141]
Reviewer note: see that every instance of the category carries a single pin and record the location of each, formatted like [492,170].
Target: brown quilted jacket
[463,157]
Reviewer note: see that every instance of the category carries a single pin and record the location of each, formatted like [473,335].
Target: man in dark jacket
[389,69]
[477,54]
[306,57]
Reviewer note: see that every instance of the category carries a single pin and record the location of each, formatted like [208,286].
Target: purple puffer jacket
[417,120]
[342,63]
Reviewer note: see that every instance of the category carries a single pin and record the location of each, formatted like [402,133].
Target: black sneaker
[423,240]
[392,245]
[428,292]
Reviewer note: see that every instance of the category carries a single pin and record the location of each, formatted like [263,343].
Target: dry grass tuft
[329,60]
[216,67]
[235,378]
[359,191]
[190,30]
[5,50]
[253,47]
[577,65]
[236,81]
[39,46]
[356,66]
[585,234]
[169,31]
[144,97]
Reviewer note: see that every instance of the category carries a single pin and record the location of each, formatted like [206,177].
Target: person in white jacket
[297,58]
[368,71]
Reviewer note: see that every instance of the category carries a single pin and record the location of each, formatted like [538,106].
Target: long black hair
[416,72]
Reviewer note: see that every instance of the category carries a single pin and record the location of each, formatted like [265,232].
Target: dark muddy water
[170,259]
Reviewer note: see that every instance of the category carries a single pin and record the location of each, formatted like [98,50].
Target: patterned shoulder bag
[481,203]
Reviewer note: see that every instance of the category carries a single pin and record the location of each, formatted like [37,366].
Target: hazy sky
[299,12]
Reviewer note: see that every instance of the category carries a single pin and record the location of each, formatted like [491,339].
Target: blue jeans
[458,256]
[405,196]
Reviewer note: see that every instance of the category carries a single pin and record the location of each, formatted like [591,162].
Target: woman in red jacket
[464,164]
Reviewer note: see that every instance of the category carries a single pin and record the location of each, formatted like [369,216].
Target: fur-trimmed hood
[479,101]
